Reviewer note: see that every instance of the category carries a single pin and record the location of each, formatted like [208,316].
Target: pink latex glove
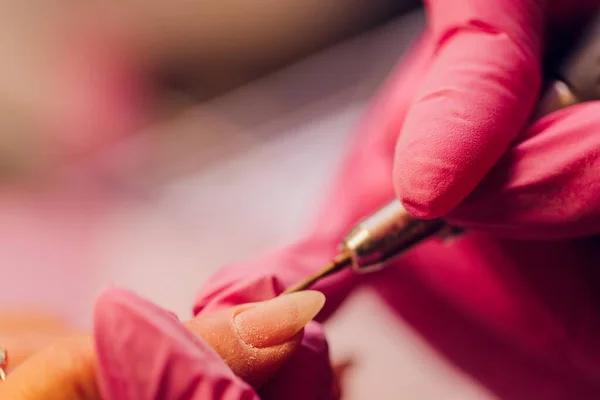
[521,317]
[465,127]
[144,352]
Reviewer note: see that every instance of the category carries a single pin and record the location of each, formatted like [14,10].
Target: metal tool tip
[341,261]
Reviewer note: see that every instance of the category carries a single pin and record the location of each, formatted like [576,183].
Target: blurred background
[239,172]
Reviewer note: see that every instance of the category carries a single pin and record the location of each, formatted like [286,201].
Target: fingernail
[274,322]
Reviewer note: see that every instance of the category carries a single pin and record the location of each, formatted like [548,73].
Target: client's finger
[23,334]
[256,339]
[63,370]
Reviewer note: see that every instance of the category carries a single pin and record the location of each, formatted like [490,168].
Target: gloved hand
[452,123]
[144,352]
[465,127]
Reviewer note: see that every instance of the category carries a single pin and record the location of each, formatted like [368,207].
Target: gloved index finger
[477,95]
[145,353]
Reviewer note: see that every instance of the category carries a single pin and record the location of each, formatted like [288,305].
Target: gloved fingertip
[420,191]
[311,364]
[166,357]
[315,339]
[233,292]
[477,96]
[113,304]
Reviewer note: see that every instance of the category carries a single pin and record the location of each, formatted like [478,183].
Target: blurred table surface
[248,183]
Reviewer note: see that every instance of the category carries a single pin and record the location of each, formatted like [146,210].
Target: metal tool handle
[385,234]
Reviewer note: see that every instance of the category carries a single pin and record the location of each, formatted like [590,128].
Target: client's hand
[25,333]
[139,351]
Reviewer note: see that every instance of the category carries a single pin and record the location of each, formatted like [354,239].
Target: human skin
[254,340]
[24,333]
